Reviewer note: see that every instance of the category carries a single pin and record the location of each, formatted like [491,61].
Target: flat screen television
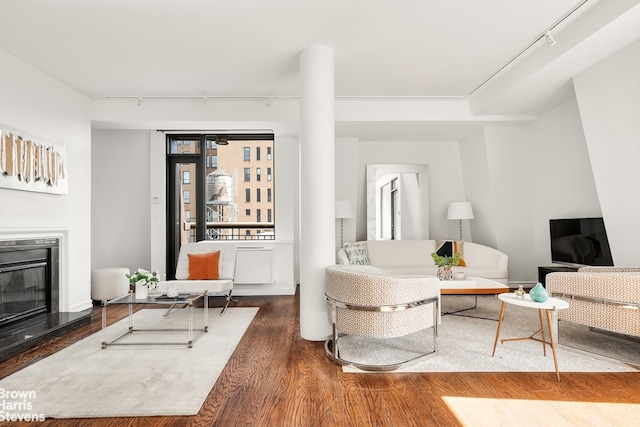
[579,242]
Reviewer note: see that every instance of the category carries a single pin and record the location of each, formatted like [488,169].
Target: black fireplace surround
[29,278]
[30,295]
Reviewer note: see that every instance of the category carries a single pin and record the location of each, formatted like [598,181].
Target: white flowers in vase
[144,277]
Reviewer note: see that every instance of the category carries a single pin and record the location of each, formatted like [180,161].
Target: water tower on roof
[220,206]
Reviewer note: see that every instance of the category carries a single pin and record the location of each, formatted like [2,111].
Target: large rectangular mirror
[397,202]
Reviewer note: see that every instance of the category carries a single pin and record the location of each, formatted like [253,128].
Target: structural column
[317,187]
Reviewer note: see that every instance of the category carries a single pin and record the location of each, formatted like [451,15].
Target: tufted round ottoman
[109,283]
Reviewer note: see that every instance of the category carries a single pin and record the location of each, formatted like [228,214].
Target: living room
[570,156]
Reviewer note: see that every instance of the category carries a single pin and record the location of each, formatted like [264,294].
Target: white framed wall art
[31,164]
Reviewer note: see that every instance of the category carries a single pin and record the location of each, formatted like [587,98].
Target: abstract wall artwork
[31,164]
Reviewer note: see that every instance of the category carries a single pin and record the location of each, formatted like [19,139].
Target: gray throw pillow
[357,253]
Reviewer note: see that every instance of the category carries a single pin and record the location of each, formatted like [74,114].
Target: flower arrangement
[144,277]
[446,261]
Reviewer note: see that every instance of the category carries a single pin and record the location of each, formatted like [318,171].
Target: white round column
[317,187]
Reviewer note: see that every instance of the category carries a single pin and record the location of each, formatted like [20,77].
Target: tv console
[543,271]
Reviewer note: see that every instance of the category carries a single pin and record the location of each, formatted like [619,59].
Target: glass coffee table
[130,300]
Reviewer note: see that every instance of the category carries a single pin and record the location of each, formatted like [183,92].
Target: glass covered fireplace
[29,278]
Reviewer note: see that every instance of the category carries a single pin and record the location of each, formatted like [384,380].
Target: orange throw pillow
[204,266]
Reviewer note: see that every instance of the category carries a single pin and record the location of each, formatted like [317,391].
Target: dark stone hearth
[17,337]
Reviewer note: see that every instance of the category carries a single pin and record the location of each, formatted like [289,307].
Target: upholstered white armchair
[601,297]
[222,281]
[364,301]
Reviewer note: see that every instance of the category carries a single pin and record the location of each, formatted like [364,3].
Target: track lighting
[205,100]
[222,140]
[549,39]
[268,102]
[140,102]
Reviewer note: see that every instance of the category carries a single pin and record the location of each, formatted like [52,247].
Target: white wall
[519,177]
[608,95]
[121,199]
[562,183]
[42,107]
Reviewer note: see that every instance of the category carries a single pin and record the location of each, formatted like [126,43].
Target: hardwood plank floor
[275,378]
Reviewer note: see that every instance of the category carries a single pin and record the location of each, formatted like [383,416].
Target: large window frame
[205,156]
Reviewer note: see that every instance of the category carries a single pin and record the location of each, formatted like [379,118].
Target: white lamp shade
[344,209]
[460,210]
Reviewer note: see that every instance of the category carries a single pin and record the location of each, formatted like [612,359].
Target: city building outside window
[221,172]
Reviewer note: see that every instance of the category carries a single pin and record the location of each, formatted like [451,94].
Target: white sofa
[414,257]
[226,269]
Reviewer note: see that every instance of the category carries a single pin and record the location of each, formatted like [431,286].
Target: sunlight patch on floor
[474,412]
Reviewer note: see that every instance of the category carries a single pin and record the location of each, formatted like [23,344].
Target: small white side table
[551,304]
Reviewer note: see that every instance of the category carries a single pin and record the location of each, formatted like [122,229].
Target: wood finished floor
[275,378]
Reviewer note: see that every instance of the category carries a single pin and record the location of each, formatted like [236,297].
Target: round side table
[551,304]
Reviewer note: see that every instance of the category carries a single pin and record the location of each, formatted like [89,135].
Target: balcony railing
[233,231]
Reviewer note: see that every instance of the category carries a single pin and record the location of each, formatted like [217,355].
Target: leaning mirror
[397,202]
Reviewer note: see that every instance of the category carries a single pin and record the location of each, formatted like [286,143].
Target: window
[268,174]
[215,184]
[268,215]
[258,215]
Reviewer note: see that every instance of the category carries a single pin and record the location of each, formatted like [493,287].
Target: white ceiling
[382,48]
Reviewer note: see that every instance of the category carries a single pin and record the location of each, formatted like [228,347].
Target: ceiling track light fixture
[549,38]
[205,100]
[140,101]
[268,102]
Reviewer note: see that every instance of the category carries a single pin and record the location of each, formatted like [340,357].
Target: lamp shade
[344,209]
[460,210]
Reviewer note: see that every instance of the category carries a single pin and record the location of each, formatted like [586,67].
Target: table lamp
[460,211]
[343,211]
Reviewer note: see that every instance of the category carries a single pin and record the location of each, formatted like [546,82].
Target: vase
[141,292]
[538,293]
[444,273]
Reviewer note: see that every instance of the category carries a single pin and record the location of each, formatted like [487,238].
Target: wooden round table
[551,304]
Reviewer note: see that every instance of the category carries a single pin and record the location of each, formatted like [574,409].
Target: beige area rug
[83,381]
[465,344]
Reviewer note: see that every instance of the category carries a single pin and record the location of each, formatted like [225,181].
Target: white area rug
[85,381]
[465,345]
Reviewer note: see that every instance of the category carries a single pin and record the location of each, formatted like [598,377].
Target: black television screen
[579,241]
